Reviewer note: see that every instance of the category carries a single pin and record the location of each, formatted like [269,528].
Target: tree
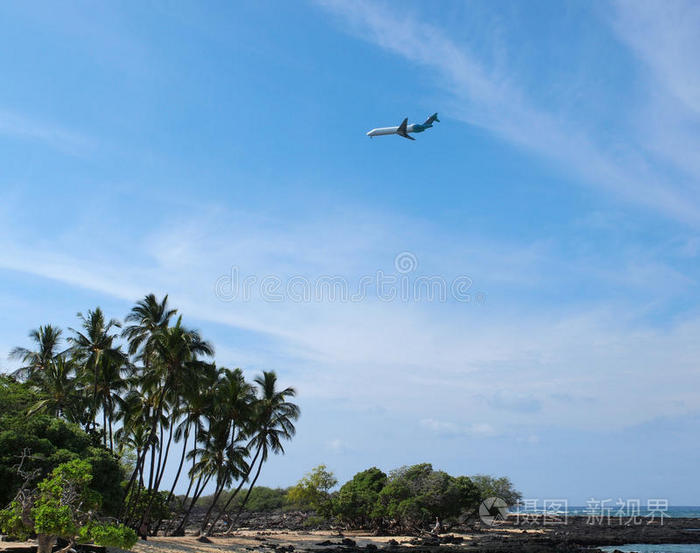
[150,317]
[415,495]
[57,385]
[47,339]
[490,486]
[62,506]
[262,499]
[233,405]
[158,391]
[176,352]
[273,421]
[357,498]
[312,491]
[94,348]
[52,441]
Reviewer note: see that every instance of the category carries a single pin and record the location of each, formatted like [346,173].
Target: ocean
[671,512]
[649,548]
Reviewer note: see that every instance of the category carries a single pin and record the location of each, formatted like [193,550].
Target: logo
[492,509]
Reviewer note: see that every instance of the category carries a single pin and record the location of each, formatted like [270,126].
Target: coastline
[508,536]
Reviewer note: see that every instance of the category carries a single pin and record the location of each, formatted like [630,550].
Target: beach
[576,535]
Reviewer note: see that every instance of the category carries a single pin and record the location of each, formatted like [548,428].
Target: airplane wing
[401,131]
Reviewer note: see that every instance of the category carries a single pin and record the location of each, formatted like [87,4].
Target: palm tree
[94,348]
[161,389]
[196,400]
[274,421]
[230,422]
[109,391]
[150,317]
[133,434]
[176,352]
[203,468]
[57,383]
[47,339]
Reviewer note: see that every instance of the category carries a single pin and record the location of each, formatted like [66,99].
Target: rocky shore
[289,532]
[512,532]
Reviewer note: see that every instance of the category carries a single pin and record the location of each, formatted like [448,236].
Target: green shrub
[312,491]
[410,497]
[51,442]
[357,498]
[108,535]
[160,510]
[62,505]
[490,486]
[262,499]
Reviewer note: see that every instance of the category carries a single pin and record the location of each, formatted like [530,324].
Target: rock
[348,542]
[451,539]
[203,539]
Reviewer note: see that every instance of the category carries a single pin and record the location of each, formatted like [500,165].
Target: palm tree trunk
[184,502]
[195,497]
[217,494]
[154,425]
[140,485]
[111,439]
[160,456]
[234,494]
[94,401]
[179,468]
[132,479]
[177,475]
[104,426]
[247,495]
[165,457]
[143,528]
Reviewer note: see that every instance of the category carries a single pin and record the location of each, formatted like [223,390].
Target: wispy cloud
[19,126]
[427,361]
[443,428]
[665,37]
[489,98]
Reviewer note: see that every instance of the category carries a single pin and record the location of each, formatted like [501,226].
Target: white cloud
[443,428]
[20,126]
[487,362]
[338,446]
[489,98]
[665,36]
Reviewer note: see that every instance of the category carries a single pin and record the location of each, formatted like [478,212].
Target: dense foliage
[44,442]
[502,488]
[312,491]
[357,499]
[62,506]
[409,498]
[140,388]
[413,496]
[261,499]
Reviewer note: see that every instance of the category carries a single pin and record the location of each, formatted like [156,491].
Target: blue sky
[161,146]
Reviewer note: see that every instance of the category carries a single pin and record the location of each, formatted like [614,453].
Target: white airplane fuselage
[404,128]
[390,130]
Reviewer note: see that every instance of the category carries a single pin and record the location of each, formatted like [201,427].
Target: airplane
[404,128]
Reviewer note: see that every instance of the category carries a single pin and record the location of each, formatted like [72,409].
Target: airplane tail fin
[429,120]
